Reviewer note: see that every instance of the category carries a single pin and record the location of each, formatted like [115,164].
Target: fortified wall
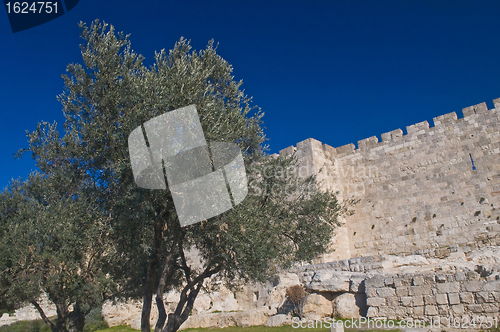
[434,187]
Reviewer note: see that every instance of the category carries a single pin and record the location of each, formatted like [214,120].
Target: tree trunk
[62,316]
[186,301]
[151,274]
[165,275]
[76,319]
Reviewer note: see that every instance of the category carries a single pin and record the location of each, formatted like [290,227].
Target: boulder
[316,307]
[344,306]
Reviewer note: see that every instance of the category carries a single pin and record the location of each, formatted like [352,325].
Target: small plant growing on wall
[477,213]
[296,294]
[482,200]
[414,219]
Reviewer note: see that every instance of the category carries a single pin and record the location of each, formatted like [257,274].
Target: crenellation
[449,118]
[368,143]
[289,150]
[481,108]
[345,149]
[392,135]
[496,103]
[417,127]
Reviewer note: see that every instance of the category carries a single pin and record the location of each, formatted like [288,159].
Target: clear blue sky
[337,71]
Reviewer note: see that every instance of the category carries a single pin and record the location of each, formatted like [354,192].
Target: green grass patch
[26,326]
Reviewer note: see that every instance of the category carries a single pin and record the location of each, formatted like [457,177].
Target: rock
[200,321]
[278,320]
[316,307]
[344,306]
[330,282]
[411,260]
[250,318]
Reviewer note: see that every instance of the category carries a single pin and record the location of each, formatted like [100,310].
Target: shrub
[296,294]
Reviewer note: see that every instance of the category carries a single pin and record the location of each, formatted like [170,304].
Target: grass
[40,326]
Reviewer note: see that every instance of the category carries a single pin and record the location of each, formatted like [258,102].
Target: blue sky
[337,71]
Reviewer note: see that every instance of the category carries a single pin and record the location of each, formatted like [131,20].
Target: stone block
[371,292]
[484,297]
[460,276]
[472,286]
[448,287]
[278,320]
[418,311]
[418,300]
[475,308]
[372,312]
[443,310]
[392,301]
[400,311]
[375,282]
[490,307]
[441,299]
[431,310]
[316,306]
[345,306]
[402,282]
[440,278]
[328,282]
[406,301]
[458,309]
[402,291]
[496,296]
[419,290]
[375,301]
[492,286]
[389,282]
[388,312]
[418,281]
[386,292]
[430,300]
[453,298]
[467,297]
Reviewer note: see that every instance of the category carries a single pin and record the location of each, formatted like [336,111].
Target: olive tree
[111,94]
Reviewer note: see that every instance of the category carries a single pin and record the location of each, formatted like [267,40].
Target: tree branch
[42,314]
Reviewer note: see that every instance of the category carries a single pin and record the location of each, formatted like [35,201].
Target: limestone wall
[432,295]
[435,186]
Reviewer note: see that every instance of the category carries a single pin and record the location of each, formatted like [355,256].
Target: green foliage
[98,210]
[94,321]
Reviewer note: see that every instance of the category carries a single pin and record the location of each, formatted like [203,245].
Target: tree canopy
[144,247]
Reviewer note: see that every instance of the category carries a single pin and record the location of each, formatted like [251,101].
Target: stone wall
[432,187]
[425,296]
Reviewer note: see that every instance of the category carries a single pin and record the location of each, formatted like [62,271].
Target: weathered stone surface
[466,297]
[316,306]
[375,301]
[441,299]
[278,320]
[386,292]
[448,287]
[344,306]
[325,281]
[453,298]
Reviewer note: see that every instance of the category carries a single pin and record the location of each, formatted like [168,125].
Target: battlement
[442,122]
